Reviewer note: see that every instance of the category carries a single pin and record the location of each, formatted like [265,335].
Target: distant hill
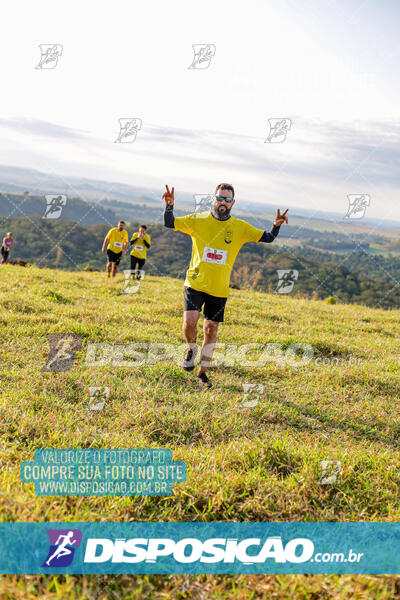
[19,180]
[75,209]
[113,195]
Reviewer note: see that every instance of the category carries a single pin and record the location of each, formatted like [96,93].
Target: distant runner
[6,246]
[140,242]
[117,240]
[216,240]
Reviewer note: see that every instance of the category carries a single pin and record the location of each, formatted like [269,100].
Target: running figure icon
[62,549]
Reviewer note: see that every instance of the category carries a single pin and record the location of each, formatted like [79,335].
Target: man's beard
[223,215]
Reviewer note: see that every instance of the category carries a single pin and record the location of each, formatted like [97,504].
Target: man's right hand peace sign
[281,218]
[169,196]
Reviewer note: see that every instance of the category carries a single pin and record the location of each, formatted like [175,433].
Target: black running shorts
[213,306]
[114,257]
[4,253]
[137,261]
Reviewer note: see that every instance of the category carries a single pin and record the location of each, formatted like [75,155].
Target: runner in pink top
[6,247]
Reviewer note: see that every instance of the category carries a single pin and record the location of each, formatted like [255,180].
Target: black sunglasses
[221,198]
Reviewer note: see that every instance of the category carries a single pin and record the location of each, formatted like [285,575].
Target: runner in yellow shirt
[117,240]
[140,242]
[216,240]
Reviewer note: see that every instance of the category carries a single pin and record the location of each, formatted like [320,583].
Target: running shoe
[203,380]
[188,363]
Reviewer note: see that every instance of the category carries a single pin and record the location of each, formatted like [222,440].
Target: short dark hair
[121,222]
[144,226]
[225,186]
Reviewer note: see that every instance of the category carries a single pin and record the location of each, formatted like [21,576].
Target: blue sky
[331,67]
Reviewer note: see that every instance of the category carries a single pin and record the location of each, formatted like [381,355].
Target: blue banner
[200,548]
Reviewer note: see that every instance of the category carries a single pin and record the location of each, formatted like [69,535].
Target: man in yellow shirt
[140,242]
[117,240]
[216,240]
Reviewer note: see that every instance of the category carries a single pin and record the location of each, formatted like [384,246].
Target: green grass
[254,464]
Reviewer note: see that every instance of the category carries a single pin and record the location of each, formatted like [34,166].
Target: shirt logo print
[228,236]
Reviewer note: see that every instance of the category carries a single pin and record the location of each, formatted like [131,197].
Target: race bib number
[139,248]
[118,244]
[212,255]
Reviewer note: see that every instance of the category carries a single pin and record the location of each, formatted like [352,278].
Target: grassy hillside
[244,464]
